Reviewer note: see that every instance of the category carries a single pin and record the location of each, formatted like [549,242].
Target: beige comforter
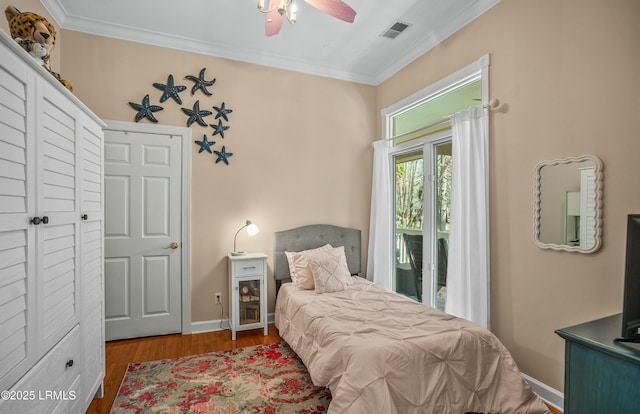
[380,352]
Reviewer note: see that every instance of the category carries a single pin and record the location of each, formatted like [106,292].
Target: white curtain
[380,258]
[468,265]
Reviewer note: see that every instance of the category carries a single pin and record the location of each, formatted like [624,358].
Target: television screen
[631,304]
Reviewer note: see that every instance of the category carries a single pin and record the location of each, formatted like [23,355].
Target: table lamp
[252,230]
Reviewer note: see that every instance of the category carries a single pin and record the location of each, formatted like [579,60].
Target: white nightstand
[248,292]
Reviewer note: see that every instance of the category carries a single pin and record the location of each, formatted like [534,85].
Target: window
[408,206]
[420,130]
[422,202]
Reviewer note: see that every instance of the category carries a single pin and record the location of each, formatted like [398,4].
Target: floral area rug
[262,379]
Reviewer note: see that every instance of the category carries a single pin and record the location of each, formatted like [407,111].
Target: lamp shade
[252,230]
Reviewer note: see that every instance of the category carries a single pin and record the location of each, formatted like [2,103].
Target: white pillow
[330,271]
[299,266]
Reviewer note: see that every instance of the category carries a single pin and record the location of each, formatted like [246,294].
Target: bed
[380,352]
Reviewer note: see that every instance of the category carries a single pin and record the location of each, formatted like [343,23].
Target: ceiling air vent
[395,29]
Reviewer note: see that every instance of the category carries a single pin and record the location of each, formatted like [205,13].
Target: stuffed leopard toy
[36,35]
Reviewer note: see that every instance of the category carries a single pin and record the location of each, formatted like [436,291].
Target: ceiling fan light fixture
[285,8]
[282,7]
[278,10]
[293,16]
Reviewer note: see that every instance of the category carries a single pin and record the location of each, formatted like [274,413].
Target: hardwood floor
[120,353]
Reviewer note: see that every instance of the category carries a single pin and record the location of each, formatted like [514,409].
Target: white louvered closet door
[91,266]
[16,235]
[38,216]
[57,199]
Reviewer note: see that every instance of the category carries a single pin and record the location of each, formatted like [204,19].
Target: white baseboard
[216,325]
[550,395]
[209,326]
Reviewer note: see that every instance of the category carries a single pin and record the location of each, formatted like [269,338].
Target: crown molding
[152,38]
[57,11]
[256,56]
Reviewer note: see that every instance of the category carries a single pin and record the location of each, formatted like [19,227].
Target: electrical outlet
[218,297]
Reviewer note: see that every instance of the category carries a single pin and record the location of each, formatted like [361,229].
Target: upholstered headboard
[310,237]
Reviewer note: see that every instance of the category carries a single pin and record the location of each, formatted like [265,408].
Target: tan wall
[566,72]
[301,145]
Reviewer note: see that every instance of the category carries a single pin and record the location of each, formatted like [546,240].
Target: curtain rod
[493,104]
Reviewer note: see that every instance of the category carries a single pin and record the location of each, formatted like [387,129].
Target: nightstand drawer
[251,267]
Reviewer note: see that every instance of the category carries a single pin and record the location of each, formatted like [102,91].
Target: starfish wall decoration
[170,90]
[200,83]
[222,112]
[205,144]
[219,129]
[145,109]
[223,155]
[195,115]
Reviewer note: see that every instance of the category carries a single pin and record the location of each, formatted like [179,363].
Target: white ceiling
[317,44]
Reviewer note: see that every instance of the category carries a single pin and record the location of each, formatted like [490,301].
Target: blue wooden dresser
[601,375]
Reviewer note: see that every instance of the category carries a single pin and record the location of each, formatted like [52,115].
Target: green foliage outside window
[410,189]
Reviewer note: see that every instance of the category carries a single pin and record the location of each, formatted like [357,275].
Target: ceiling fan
[278,10]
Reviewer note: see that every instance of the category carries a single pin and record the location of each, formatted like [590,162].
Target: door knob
[173,245]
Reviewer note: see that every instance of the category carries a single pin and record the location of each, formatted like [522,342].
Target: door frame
[185,251]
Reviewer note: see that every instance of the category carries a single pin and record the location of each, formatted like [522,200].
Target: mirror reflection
[568,204]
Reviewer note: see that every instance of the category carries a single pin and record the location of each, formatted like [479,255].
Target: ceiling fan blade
[336,8]
[273,23]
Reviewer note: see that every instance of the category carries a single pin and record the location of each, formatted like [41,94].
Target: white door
[143,279]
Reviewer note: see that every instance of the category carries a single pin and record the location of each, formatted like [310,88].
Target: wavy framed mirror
[568,204]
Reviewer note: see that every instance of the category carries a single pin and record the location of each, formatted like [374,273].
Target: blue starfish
[196,115]
[145,110]
[200,83]
[222,112]
[170,90]
[223,155]
[205,145]
[219,129]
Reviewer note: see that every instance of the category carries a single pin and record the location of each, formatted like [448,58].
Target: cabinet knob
[69,363]
[84,217]
[37,220]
